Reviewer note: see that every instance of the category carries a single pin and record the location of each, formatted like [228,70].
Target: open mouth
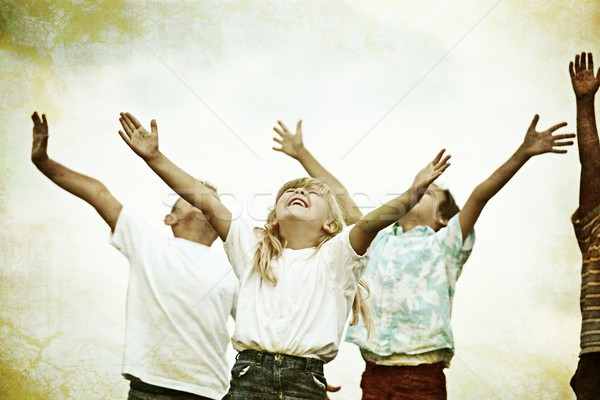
[296,201]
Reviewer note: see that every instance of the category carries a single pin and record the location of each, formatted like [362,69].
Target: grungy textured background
[381,86]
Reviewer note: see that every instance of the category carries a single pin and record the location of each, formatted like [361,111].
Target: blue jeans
[264,376]
[139,390]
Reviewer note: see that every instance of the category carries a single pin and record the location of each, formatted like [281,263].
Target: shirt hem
[177,385]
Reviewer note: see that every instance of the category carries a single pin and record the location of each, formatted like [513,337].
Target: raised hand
[584,83]
[545,142]
[142,142]
[291,144]
[432,171]
[39,148]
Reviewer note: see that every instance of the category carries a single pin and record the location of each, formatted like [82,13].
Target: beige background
[381,86]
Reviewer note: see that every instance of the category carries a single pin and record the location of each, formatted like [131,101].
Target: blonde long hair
[271,247]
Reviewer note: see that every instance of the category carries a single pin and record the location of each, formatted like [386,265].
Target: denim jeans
[264,376]
[139,390]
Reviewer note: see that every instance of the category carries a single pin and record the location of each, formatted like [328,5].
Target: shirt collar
[421,230]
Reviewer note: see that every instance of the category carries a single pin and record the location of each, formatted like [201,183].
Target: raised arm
[585,86]
[535,143]
[145,145]
[293,146]
[365,229]
[89,189]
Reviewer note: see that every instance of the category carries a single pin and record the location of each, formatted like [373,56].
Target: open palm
[142,142]
[291,144]
[585,84]
[40,138]
[432,171]
[545,142]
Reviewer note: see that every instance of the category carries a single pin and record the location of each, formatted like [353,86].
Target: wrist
[39,160]
[523,154]
[585,99]
[154,157]
[302,153]
[417,190]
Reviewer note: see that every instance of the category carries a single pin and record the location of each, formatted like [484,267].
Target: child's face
[427,211]
[302,204]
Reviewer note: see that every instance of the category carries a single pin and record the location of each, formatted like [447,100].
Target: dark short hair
[448,208]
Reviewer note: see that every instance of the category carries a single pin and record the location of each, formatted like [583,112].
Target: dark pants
[139,390]
[265,376]
[586,381]
[420,382]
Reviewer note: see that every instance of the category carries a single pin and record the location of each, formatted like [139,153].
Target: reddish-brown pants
[421,382]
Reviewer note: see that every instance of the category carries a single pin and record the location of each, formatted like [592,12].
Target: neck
[197,236]
[297,235]
[408,225]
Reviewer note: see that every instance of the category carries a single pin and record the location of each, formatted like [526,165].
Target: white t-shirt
[305,313]
[179,298]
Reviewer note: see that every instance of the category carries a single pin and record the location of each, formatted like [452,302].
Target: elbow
[480,194]
[100,191]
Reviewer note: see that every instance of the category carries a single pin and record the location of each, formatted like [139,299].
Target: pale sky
[380,85]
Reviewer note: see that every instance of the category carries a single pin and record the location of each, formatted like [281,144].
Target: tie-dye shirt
[412,277]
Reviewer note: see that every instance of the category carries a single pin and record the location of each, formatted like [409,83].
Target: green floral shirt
[412,277]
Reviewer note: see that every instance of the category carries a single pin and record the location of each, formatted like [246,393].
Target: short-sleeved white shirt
[305,312]
[179,298]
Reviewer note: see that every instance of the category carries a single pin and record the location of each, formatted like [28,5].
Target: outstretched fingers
[438,157]
[126,127]
[279,132]
[442,166]
[40,125]
[534,122]
[36,118]
[557,126]
[285,129]
[126,120]
[561,141]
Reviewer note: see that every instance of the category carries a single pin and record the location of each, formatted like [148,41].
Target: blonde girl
[298,274]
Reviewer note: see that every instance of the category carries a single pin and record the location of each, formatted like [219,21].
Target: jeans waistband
[142,386]
[278,359]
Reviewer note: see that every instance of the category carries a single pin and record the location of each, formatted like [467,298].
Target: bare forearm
[82,186]
[589,155]
[587,133]
[86,188]
[492,185]
[318,171]
[185,185]
[390,212]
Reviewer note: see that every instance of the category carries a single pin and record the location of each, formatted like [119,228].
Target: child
[298,275]
[586,221]
[179,296]
[412,273]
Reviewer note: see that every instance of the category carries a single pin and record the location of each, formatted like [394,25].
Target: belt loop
[308,363]
[259,356]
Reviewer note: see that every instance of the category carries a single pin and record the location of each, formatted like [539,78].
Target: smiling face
[306,206]
[302,204]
